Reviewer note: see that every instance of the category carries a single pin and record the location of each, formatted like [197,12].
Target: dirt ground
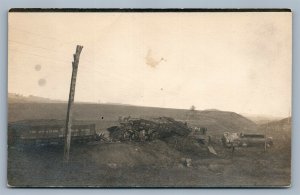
[147,164]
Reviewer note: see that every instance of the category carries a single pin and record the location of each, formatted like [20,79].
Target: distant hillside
[280,131]
[279,126]
[107,115]
[260,119]
[221,121]
[17,98]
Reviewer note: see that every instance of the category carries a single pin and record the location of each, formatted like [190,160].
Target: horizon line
[59,101]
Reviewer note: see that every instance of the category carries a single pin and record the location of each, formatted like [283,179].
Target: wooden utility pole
[70,104]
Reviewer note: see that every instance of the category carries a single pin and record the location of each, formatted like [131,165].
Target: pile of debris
[137,129]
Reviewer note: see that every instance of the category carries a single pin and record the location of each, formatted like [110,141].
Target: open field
[158,163]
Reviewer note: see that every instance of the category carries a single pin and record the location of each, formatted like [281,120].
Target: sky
[233,61]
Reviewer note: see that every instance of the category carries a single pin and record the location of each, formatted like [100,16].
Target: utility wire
[43,36]
[33,54]
[38,47]
[110,75]
[85,70]
[27,44]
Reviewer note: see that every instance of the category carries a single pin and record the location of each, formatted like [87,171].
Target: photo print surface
[137,98]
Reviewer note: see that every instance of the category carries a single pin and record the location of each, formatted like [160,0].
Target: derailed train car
[231,140]
[48,132]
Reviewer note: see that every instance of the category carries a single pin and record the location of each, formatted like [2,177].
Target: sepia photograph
[149,98]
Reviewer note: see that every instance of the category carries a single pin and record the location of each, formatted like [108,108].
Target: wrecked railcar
[48,132]
[231,140]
